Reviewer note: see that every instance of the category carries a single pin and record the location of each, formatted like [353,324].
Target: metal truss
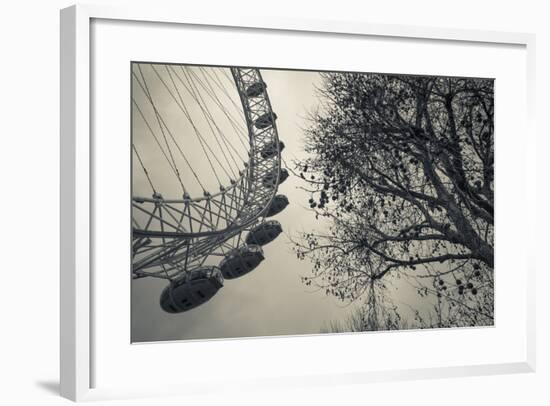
[172,236]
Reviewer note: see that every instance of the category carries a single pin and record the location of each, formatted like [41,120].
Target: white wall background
[29,156]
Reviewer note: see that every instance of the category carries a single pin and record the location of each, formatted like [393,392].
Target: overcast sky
[270,300]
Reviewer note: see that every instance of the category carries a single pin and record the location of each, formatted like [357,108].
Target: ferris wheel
[206,171]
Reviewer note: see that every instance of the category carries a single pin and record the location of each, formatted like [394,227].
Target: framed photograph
[286,202]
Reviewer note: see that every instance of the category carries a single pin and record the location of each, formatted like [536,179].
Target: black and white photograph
[276,202]
[283,203]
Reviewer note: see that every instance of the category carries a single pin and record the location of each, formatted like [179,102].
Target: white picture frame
[77,323]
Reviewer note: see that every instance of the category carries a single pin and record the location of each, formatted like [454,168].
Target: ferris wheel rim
[248,171]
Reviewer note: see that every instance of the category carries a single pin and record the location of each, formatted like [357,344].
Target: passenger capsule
[241,261]
[278,204]
[271,149]
[283,175]
[191,289]
[270,179]
[265,120]
[255,89]
[264,233]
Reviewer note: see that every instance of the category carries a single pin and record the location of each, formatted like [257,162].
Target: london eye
[206,173]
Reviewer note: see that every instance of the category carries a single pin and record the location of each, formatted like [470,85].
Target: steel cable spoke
[150,97]
[175,142]
[211,122]
[197,132]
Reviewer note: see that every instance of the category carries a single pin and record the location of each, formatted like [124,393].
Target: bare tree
[402,169]
[376,314]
